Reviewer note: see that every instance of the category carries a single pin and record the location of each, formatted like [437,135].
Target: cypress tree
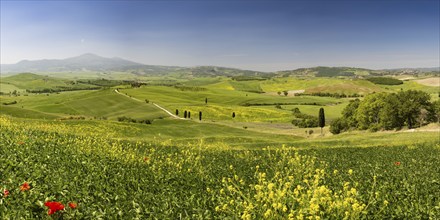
[321,118]
[177,111]
[200,116]
[206,100]
[189,114]
[185,114]
[233,114]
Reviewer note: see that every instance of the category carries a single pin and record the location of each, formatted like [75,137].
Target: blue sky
[257,35]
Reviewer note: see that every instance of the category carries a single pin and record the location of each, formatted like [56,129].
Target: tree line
[387,111]
[328,94]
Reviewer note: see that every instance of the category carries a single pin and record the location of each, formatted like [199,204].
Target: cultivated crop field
[108,178]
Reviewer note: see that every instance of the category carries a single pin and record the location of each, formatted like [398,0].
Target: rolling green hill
[323,71]
[30,81]
[102,103]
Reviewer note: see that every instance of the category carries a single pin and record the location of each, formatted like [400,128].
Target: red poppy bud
[73,205]
[5,193]
[25,187]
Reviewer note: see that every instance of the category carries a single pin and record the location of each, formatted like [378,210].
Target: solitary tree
[200,116]
[206,100]
[177,111]
[233,114]
[189,114]
[286,93]
[279,93]
[185,113]
[321,118]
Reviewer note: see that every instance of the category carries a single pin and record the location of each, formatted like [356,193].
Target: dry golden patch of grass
[433,81]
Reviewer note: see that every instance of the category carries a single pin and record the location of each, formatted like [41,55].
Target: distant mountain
[90,62]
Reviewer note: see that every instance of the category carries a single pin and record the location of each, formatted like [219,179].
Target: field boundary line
[156,105]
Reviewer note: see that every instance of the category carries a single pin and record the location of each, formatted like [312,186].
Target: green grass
[368,139]
[310,85]
[102,103]
[331,111]
[247,86]
[221,103]
[411,85]
[170,95]
[17,111]
[202,81]
[6,88]
[37,82]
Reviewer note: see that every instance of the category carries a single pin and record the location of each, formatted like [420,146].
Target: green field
[6,88]
[70,147]
[87,163]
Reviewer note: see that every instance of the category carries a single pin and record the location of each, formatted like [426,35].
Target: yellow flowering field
[55,171]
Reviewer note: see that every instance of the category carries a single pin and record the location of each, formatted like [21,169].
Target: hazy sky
[257,35]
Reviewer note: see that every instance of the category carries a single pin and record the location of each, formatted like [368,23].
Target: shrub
[304,120]
[10,103]
[132,120]
[338,125]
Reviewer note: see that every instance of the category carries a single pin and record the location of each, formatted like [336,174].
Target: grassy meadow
[69,147]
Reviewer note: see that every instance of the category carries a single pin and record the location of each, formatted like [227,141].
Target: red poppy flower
[25,187]
[397,163]
[54,207]
[5,193]
[73,205]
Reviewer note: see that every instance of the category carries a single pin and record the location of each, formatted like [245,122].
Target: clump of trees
[285,92]
[132,120]
[323,71]
[73,118]
[385,81]
[190,88]
[387,111]
[328,94]
[60,89]
[303,120]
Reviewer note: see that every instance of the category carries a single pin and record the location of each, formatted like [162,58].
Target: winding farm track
[157,106]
